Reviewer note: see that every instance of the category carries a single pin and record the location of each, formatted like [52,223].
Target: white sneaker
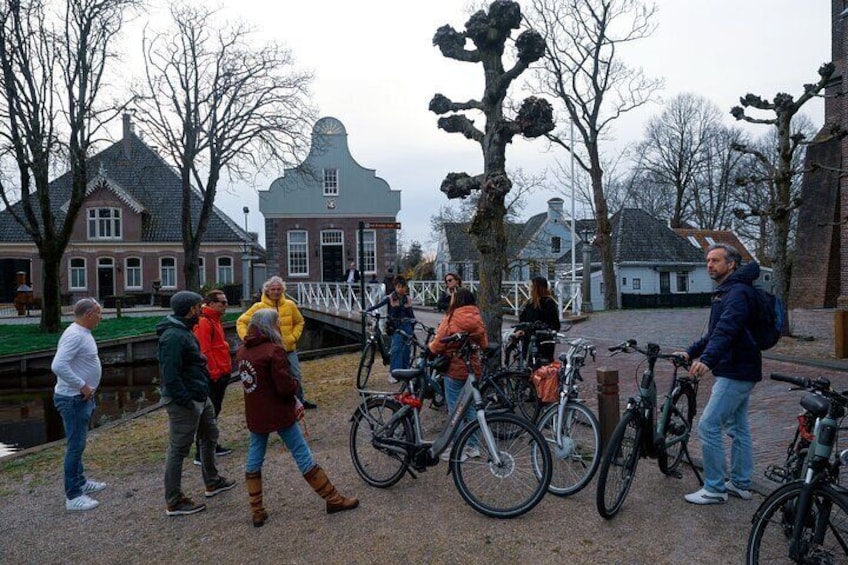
[470,452]
[391,379]
[742,493]
[82,502]
[704,496]
[92,486]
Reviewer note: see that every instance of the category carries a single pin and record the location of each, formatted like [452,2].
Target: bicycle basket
[546,381]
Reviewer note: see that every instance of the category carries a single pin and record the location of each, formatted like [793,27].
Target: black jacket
[729,348]
[182,367]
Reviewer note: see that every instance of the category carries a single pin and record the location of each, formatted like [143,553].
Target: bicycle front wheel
[574,444]
[677,426]
[618,466]
[516,484]
[824,538]
[379,464]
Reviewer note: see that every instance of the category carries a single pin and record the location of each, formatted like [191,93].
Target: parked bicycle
[570,427]
[508,477]
[806,521]
[378,343]
[644,432]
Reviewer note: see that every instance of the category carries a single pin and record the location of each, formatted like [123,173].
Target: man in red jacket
[214,346]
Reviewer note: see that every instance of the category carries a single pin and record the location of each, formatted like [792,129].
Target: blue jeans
[295,442]
[727,411]
[296,373]
[76,413]
[400,348]
[453,388]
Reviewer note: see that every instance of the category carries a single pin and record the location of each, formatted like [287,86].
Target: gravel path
[416,521]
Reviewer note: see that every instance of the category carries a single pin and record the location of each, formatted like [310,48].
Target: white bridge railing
[343,298]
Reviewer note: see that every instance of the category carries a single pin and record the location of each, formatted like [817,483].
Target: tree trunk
[487,229]
[51,300]
[603,232]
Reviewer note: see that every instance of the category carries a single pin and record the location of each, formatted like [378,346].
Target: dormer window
[331,182]
[104,223]
[556,244]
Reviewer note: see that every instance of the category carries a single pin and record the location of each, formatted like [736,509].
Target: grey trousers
[183,423]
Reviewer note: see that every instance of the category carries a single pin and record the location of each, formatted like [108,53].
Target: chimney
[555,210]
[128,129]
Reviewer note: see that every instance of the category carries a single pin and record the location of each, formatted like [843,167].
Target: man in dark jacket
[731,353]
[185,394]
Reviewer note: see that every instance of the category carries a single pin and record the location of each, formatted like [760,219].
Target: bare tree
[582,70]
[53,68]
[218,105]
[674,150]
[489,32]
[778,173]
[713,189]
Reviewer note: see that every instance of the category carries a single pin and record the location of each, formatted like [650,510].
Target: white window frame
[370,248]
[163,269]
[710,240]
[201,270]
[694,241]
[299,268]
[331,182]
[128,270]
[104,227]
[72,270]
[221,277]
[636,283]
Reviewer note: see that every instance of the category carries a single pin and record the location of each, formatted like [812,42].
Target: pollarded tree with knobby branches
[489,31]
[779,174]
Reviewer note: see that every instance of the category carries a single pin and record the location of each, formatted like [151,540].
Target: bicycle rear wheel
[824,538]
[618,466]
[578,454]
[372,368]
[379,465]
[678,424]
[518,483]
[513,391]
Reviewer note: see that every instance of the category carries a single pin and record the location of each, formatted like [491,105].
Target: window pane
[78,273]
[331,182]
[225,271]
[133,272]
[370,248]
[297,247]
[168,272]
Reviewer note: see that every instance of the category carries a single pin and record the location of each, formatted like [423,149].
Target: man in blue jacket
[185,394]
[731,353]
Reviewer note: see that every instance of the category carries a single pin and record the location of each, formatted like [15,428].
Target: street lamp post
[245,261]
[586,289]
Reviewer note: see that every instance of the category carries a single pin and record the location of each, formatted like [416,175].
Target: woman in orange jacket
[462,316]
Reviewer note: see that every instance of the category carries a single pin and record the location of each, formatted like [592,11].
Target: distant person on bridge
[77,369]
[291,326]
[389,281]
[399,316]
[452,282]
[213,344]
[270,406]
[351,276]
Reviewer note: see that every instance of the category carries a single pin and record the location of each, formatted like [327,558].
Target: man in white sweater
[77,369]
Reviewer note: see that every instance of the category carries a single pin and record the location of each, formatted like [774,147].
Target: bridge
[340,304]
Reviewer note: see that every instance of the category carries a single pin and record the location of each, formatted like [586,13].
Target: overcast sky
[376,70]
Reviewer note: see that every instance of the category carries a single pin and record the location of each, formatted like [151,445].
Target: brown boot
[254,493]
[317,479]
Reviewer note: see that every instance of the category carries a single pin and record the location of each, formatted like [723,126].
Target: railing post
[607,401]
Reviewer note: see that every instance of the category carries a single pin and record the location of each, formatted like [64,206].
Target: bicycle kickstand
[692,464]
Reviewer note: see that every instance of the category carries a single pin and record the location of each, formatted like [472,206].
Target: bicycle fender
[384,399]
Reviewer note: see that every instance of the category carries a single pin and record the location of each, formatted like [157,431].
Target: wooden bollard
[608,409]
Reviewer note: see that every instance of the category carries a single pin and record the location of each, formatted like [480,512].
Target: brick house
[127,237]
[312,213]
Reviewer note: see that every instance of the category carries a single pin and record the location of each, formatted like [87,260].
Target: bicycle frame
[568,385]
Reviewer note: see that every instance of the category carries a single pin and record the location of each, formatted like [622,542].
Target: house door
[8,277]
[332,263]
[105,278]
[665,283]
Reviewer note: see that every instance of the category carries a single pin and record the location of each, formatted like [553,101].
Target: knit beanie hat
[183,301]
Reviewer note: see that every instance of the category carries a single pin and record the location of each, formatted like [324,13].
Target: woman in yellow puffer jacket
[291,326]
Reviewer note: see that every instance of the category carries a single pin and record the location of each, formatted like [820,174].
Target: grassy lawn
[20,338]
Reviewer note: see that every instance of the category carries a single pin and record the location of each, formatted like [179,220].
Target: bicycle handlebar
[652,350]
[802,382]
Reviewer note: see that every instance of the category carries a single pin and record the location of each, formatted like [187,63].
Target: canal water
[28,419]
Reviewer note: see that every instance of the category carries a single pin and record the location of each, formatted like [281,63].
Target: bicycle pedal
[676,474]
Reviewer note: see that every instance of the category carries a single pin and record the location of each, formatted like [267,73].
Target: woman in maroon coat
[270,406]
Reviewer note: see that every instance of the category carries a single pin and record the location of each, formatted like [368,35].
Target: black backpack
[768,319]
